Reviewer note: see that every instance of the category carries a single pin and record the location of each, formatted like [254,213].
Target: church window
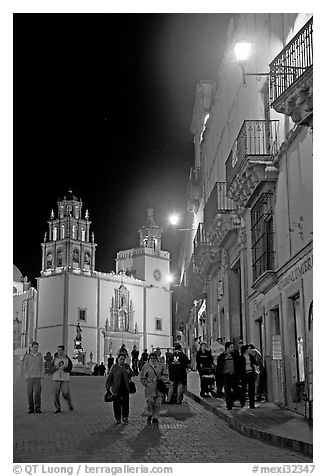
[59,257]
[49,260]
[69,209]
[55,233]
[62,231]
[76,212]
[82,314]
[75,256]
[87,258]
[74,232]
[158,324]
[83,234]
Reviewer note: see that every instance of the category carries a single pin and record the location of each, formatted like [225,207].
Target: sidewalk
[267,422]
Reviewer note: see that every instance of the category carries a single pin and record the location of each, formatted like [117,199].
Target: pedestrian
[217,348]
[178,366]
[168,353]
[95,369]
[246,365]
[237,349]
[101,369]
[158,352]
[152,371]
[110,362]
[33,370]
[123,350]
[143,359]
[61,378]
[194,349]
[227,370]
[117,383]
[135,359]
[260,372]
[204,361]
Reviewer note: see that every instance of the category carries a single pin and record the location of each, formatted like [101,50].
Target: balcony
[194,189]
[201,249]
[219,218]
[250,162]
[291,78]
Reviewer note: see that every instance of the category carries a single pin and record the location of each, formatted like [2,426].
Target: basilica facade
[90,312]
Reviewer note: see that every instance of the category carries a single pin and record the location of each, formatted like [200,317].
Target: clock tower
[148,262]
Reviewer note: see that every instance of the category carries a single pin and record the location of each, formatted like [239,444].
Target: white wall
[51,300]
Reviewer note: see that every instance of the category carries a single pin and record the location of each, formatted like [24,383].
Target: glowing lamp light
[242,51]
[169,278]
[174,219]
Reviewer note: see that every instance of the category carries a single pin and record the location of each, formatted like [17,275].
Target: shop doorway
[297,348]
[276,380]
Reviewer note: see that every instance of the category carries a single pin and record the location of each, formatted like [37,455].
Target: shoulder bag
[132,387]
[161,387]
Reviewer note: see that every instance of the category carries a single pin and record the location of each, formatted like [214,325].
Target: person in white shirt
[61,378]
[217,348]
[33,371]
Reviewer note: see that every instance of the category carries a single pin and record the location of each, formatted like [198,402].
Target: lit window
[81,314]
[158,324]
[55,232]
[62,231]
[83,234]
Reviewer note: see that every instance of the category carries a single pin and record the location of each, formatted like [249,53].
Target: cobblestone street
[187,433]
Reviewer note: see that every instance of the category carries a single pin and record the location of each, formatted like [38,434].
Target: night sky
[103,105]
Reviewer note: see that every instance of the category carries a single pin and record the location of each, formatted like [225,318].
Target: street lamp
[174,220]
[242,51]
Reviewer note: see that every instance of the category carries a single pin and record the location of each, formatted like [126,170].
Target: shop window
[299,337]
[262,235]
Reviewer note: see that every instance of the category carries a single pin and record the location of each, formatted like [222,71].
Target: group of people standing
[236,371]
[153,374]
[33,369]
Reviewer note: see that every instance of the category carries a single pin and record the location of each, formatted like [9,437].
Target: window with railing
[262,235]
[293,61]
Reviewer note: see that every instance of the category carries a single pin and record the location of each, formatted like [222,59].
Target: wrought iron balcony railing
[201,242]
[293,61]
[218,202]
[257,140]
[194,188]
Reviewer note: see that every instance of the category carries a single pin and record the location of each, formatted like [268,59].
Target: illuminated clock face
[157,274]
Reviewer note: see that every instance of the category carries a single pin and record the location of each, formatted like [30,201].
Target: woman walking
[246,363]
[152,371]
[204,361]
[117,383]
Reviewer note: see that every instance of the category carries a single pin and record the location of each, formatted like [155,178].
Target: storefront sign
[298,271]
[276,347]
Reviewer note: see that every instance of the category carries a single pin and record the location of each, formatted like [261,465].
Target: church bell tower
[68,245]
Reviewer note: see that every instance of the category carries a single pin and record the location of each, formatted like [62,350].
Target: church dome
[17,276]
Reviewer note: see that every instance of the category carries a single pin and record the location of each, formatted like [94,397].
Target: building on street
[246,268]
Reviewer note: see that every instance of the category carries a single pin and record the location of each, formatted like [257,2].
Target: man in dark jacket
[178,365]
[227,369]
